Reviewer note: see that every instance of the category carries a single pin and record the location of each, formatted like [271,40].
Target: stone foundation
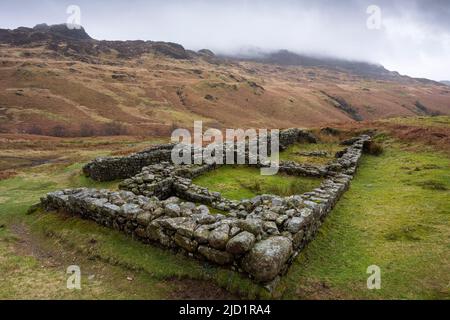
[259,237]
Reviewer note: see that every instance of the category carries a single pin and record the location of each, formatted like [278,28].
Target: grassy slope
[438,121]
[161,93]
[391,217]
[396,215]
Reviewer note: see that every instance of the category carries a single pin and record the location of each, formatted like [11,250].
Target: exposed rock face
[78,44]
[260,236]
[267,258]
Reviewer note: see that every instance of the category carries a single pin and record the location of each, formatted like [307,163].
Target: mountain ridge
[79,41]
[64,83]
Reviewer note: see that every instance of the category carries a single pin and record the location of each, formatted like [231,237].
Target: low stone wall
[113,168]
[293,135]
[259,236]
[165,179]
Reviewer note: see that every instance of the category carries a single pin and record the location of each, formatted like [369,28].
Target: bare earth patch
[28,244]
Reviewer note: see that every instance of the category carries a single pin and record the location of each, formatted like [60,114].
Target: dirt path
[52,258]
[28,244]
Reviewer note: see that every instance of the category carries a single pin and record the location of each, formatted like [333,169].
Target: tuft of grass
[373,148]
[432,185]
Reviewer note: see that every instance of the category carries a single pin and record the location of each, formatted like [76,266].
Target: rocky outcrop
[78,44]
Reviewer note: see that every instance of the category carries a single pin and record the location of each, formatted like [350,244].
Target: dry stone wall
[259,237]
[113,168]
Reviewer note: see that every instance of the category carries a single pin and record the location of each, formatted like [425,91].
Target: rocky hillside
[61,82]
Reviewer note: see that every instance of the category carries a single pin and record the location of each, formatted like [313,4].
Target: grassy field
[36,249]
[292,153]
[438,121]
[241,182]
[395,215]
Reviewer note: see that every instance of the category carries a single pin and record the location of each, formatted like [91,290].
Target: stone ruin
[158,203]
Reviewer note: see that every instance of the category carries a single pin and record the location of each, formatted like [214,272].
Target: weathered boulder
[216,256]
[295,224]
[172,223]
[172,210]
[251,225]
[187,228]
[186,243]
[270,227]
[241,243]
[267,258]
[201,234]
[144,218]
[129,209]
[297,239]
[218,238]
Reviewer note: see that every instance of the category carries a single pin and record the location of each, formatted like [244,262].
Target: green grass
[395,215]
[99,249]
[290,153]
[437,121]
[242,182]
[387,219]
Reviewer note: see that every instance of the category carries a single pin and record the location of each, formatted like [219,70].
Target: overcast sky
[413,35]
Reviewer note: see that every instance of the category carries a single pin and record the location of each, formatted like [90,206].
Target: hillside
[61,82]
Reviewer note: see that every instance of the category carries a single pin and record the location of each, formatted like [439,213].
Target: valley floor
[396,215]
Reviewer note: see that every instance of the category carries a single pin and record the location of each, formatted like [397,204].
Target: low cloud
[413,38]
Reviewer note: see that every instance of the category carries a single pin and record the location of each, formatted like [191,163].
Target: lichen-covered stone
[144,218]
[218,238]
[241,243]
[267,258]
[216,256]
[270,227]
[201,234]
[295,224]
[252,225]
[186,243]
[172,210]
[187,228]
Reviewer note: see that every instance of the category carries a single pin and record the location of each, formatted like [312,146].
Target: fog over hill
[77,42]
[412,37]
[62,82]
